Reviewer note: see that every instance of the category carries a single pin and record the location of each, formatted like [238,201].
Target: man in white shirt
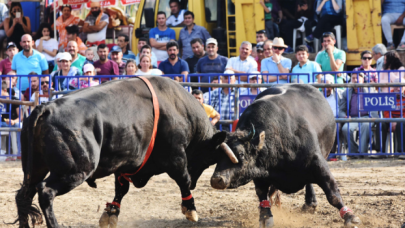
[95,25]
[177,15]
[244,63]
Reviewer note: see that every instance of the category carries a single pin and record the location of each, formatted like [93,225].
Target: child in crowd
[84,82]
[89,56]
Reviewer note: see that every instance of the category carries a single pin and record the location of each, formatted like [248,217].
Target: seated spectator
[244,63]
[272,15]
[77,59]
[305,66]
[84,82]
[366,59]
[330,15]
[5,64]
[177,16]
[73,35]
[253,79]
[260,55]
[89,54]
[351,95]
[15,119]
[95,25]
[116,56]
[174,65]
[147,50]
[209,110]
[160,36]
[46,44]
[261,36]
[392,61]
[103,65]
[130,67]
[145,67]
[16,25]
[379,51]
[123,43]
[276,63]
[197,46]
[67,19]
[45,87]
[65,60]
[332,59]
[189,33]
[212,63]
[393,13]
[142,42]
[267,49]
[34,88]
[3,15]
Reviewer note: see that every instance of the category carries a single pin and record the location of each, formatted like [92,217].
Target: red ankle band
[265,204]
[114,204]
[188,197]
[345,210]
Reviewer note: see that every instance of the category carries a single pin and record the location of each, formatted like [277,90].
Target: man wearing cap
[253,79]
[198,50]
[73,35]
[116,56]
[160,36]
[305,67]
[5,64]
[65,62]
[28,60]
[261,36]
[174,65]
[95,25]
[77,59]
[209,110]
[244,63]
[177,16]
[276,63]
[104,66]
[332,59]
[190,32]
[260,55]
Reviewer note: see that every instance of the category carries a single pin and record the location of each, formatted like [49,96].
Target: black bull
[94,132]
[295,131]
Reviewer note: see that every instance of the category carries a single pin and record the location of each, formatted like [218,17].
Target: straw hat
[279,42]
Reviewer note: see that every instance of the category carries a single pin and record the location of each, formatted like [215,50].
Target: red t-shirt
[5,66]
[108,68]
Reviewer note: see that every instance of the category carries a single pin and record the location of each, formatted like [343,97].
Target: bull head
[251,134]
[229,152]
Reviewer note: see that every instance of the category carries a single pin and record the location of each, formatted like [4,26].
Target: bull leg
[310,199]
[110,216]
[54,186]
[262,191]
[328,184]
[274,192]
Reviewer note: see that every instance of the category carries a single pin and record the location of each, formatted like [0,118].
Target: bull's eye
[242,156]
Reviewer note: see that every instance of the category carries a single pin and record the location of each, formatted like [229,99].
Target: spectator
[189,33]
[174,65]
[305,66]
[267,49]
[215,80]
[160,36]
[276,63]
[243,63]
[46,44]
[34,88]
[212,63]
[145,49]
[123,43]
[3,15]
[261,36]
[177,16]
[67,19]
[116,56]
[145,67]
[379,51]
[273,16]
[209,110]
[103,65]
[130,67]
[65,60]
[366,59]
[84,82]
[77,59]
[392,61]
[260,55]
[393,13]
[95,25]
[351,95]
[45,87]
[253,79]
[27,61]
[16,25]
[197,46]
[73,35]
[89,54]
[5,64]
[13,81]
[332,59]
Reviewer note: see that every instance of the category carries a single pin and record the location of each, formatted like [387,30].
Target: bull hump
[282,91]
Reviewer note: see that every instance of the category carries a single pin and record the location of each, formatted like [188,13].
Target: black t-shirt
[192,63]
[14,108]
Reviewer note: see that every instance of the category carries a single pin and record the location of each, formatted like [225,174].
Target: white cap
[88,67]
[211,41]
[254,74]
[64,56]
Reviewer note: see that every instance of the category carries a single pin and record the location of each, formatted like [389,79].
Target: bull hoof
[113,221]
[104,220]
[309,208]
[267,223]
[351,220]
[190,214]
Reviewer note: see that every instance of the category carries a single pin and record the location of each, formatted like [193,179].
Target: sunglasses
[278,48]
[44,82]
[366,58]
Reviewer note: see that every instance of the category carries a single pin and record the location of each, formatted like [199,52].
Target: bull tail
[25,195]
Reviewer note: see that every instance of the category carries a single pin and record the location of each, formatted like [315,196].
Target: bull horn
[251,134]
[229,152]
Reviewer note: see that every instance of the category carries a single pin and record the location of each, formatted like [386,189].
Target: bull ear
[218,139]
[260,141]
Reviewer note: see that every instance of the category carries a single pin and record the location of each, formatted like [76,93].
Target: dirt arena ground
[374,190]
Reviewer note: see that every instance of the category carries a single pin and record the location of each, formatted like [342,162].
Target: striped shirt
[397,112]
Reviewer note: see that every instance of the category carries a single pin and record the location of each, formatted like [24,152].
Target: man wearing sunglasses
[260,54]
[366,59]
[44,90]
[276,64]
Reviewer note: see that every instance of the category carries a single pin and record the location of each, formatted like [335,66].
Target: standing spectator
[116,56]
[65,60]
[366,58]
[276,63]
[267,49]
[260,55]
[34,88]
[209,110]
[16,25]
[177,15]
[273,16]
[130,67]
[145,67]
[190,32]
[44,90]
[142,42]
[261,36]
[392,61]
[244,63]
[174,65]
[379,51]
[123,43]
[212,63]
[103,65]
[73,35]
[197,46]
[77,59]
[393,13]
[95,25]
[46,44]
[3,16]
[67,19]
[305,66]
[27,61]
[332,59]
[160,36]
[5,64]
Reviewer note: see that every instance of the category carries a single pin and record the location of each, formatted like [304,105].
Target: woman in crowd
[67,19]
[392,61]
[46,44]
[366,59]
[130,67]
[145,67]
[16,25]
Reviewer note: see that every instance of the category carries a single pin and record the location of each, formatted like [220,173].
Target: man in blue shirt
[305,69]
[174,65]
[276,64]
[393,13]
[123,41]
[28,60]
[160,36]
